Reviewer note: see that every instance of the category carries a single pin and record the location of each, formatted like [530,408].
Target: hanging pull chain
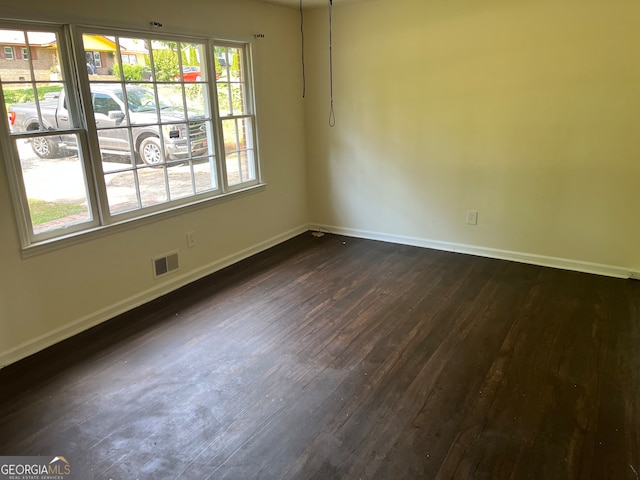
[332,115]
[304,76]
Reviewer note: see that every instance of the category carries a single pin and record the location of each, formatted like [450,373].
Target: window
[93,60]
[171,129]
[8,53]
[234,104]
[129,59]
[25,53]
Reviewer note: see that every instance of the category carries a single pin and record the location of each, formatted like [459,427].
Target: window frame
[25,53]
[9,48]
[245,66]
[12,158]
[71,55]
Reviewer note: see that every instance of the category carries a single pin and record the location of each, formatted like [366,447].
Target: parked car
[109,111]
[191,74]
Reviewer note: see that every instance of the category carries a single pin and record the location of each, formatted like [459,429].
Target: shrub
[130,72]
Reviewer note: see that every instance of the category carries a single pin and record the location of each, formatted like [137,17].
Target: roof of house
[95,43]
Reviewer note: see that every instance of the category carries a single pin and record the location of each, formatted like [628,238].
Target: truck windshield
[141,100]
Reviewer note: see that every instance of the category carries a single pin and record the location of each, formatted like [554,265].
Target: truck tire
[45,147]
[150,151]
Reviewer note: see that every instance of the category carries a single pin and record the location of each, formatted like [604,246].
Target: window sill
[75,238]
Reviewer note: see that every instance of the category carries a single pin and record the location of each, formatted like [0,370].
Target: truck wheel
[44,147]
[151,151]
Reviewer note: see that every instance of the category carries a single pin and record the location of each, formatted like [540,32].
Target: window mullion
[82,108]
[221,169]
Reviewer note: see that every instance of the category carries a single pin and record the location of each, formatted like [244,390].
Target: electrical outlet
[472,217]
[191,239]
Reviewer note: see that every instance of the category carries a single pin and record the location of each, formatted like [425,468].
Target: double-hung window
[8,53]
[165,123]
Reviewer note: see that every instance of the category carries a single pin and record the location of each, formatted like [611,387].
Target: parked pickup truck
[109,111]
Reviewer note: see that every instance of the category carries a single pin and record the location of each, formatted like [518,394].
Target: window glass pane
[171,102]
[237,134]
[205,174]
[200,142]
[153,186]
[149,149]
[19,101]
[122,192]
[142,104]
[224,99]
[238,99]
[196,101]
[176,141]
[192,54]
[55,187]
[135,59]
[15,64]
[101,60]
[107,110]
[115,149]
[238,146]
[13,71]
[222,63]
[180,180]
[235,57]
[240,167]
[166,67]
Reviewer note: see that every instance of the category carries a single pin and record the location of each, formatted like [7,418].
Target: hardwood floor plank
[340,358]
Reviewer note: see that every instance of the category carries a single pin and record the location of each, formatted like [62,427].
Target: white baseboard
[72,328]
[533,259]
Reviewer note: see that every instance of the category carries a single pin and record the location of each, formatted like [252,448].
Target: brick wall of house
[18,68]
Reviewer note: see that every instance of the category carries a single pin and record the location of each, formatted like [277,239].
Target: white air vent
[165,264]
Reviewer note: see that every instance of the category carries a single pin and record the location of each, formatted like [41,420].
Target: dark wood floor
[338,358]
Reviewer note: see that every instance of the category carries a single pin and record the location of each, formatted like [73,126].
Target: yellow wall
[526,111]
[49,296]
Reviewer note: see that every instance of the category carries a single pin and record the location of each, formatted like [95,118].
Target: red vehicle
[191,74]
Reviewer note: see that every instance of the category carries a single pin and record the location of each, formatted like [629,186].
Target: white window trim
[8,48]
[31,246]
[250,102]
[25,53]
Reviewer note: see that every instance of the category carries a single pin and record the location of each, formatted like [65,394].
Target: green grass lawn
[43,212]
[21,95]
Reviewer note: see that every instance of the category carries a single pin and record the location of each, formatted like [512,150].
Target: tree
[235,64]
[165,63]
